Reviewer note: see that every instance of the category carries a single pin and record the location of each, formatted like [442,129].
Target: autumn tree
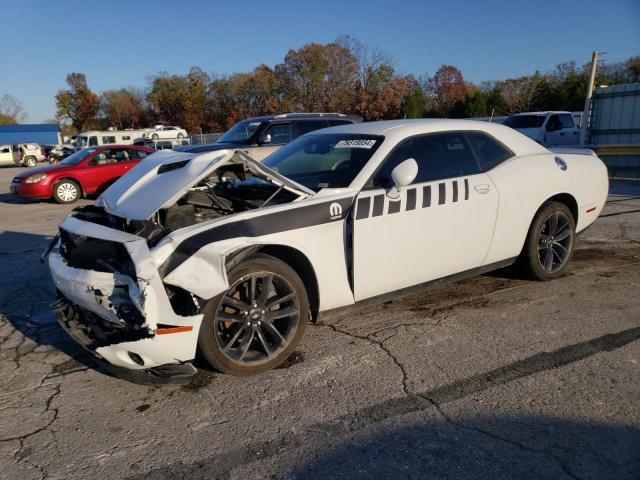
[79,104]
[321,77]
[124,108]
[180,99]
[11,110]
[446,88]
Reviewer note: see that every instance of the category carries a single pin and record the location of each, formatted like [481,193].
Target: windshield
[240,133]
[77,157]
[324,161]
[81,142]
[525,121]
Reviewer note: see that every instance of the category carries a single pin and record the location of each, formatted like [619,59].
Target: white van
[96,138]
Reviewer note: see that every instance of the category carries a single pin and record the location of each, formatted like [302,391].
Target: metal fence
[614,129]
[204,138]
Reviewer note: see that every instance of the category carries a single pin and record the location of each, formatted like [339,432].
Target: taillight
[42,151]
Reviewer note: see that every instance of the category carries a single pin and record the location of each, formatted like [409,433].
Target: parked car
[546,128]
[261,136]
[220,254]
[25,154]
[83,173]
[163,132]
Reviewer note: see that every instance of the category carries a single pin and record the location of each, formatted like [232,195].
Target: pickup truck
[25,154]
[547,128]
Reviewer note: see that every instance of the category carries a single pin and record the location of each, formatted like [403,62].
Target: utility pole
[587,100]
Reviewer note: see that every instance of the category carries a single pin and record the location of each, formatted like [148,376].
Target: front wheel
[180,135]
[154,136]
[30,161]
[257,323]
[550,242]
[66,191]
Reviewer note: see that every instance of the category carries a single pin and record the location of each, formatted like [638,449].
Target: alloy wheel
[256,318]
[555,242]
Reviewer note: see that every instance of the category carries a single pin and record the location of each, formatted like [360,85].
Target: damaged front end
[105,259]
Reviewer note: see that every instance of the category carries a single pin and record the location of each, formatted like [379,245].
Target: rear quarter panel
[525,183]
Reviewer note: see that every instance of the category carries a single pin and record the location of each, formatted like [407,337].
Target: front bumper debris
[91,332]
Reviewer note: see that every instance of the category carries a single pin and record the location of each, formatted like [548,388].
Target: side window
[489,151]
[566,120]
[109,139]
[307,126]
[93,141]
[120,155]
[135,154]
[439,155]
[126,137]
[553,123]
[5,150]
[280,133]
[102,158]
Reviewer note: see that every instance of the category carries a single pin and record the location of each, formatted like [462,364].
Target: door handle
[482,188]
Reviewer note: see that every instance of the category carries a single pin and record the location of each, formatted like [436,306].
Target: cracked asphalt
[492,377]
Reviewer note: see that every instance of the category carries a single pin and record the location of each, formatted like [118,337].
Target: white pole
[587,100]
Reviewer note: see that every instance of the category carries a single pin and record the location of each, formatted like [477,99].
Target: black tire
[63,189]
[180,135]
[227,322]
[30,161]
[154,136]
[548,252]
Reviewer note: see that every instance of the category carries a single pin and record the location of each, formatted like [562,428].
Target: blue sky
[120,43]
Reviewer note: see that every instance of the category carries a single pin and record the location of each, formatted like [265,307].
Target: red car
[83,173]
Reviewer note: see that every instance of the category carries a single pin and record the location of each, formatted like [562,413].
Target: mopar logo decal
[562,165]
[335,211]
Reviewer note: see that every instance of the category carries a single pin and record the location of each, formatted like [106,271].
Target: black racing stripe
[378,205]
[455,190]
[442,192]
[426,196]
[364,204]
[411,199]
[466,189]
[290,219]
[394,206]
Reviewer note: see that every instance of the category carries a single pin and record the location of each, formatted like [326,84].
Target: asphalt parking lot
[493,377]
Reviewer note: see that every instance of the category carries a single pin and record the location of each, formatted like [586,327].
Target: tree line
[343,76]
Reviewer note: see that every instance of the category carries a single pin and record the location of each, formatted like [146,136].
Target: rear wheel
[180,135]
[154,136]
[257,323]
[66,191]
[550,242]
[30,161]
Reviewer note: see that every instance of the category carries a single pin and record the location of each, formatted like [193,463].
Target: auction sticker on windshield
[355,143]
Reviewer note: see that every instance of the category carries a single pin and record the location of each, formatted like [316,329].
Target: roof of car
[542,113]
[396,130]
[304,116]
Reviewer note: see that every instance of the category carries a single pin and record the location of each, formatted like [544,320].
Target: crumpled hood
[162,178]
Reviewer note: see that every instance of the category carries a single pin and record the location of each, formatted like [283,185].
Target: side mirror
[403,175]
[266,138]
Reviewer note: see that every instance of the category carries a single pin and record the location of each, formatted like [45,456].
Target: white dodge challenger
[218,255]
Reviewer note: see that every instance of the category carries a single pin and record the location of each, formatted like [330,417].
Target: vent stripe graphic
[442,193]
[394,206]
[426,196]
[363,208]
[378,205]
[411,199]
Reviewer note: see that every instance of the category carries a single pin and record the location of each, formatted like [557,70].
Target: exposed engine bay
[231,188]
